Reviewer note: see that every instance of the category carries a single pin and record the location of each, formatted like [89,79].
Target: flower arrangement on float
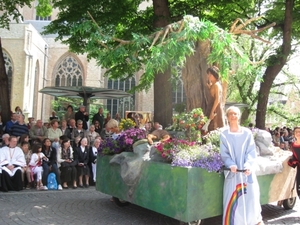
[123,143]
[188,152]
[191,123]
[184,153]
[126,124]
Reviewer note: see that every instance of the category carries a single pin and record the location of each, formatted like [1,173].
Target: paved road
[88,206]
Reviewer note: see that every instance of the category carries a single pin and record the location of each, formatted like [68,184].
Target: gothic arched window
[178,94]
[121,105]
[68,73]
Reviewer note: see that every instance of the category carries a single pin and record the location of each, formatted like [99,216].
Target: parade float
[182,178]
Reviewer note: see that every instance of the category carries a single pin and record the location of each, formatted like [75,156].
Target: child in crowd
[36,165]
[27,154]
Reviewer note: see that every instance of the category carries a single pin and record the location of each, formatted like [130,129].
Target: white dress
[241,196]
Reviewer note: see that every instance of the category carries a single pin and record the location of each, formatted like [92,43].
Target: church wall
[26,47]
[34,80]
[13,43]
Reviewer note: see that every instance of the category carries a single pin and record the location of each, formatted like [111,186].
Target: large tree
[121,19]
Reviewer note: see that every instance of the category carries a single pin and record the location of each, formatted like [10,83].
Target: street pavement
[88,206]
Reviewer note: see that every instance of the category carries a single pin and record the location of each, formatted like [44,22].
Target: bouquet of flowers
[110,146]
[123,143]
[168,149]
[126,124]
[131,136]
[189,154]
[191,122]
[213,139]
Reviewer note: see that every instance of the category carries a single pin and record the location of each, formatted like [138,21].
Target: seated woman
[67,164]
[92,134]
[26,169]
[50,165]
[113,127]
[24,138]
[54,133]
[81,155]
[93,156]
[35,164]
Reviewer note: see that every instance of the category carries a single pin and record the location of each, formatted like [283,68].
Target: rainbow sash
[233,202]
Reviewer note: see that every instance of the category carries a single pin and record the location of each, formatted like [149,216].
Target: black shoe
[65,187]
[81,186]
[74,187]
[86,186]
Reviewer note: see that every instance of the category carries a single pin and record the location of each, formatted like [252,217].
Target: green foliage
[122,19]
[283,115]
[8,9]
[142,52]
[44,8]
[61,103]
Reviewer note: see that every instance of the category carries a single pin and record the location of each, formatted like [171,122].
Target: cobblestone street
[88,206]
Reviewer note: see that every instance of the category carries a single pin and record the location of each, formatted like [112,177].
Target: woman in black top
[50,165]
[81,155]
[67,164]
[295,160]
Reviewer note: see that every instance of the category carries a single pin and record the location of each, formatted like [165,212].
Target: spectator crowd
[37,154]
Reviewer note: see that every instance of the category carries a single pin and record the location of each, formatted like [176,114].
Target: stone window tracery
[68,73]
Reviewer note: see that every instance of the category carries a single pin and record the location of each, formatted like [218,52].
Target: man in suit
[99,117]
[83,116]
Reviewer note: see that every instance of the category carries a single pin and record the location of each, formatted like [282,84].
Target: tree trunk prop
[162,82]
[4,91]
[195,79]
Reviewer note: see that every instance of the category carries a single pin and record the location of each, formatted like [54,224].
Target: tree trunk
[245,116]
[4,91]
[162,84]
[195,79]
[278,61]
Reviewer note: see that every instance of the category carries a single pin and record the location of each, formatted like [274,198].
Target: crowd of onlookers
[68,148]
[281,136]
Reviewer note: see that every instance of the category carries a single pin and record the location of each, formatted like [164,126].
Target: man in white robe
[12,162]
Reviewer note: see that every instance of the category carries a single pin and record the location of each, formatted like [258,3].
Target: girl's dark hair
[45,139]
[69,106]
[22,137]
[64,141]
[24,143]
[214,71]
[36,147]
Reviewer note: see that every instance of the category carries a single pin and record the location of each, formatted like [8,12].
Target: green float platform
[186,194]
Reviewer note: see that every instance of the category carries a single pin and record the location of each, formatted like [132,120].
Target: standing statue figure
[216,115]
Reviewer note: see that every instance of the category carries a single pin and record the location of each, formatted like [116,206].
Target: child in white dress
[36,165]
